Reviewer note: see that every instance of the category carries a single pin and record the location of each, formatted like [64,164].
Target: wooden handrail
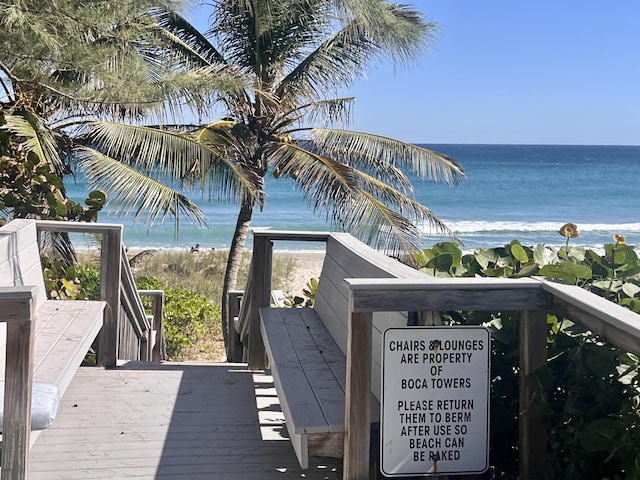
[134,313]
[258,290]
[534,297]
[110,265]
[118,290]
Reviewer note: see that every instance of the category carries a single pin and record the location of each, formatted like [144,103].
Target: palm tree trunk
[233,265]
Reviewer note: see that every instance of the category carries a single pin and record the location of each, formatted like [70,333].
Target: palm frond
[322,178]
[328,112]
[399,30]
[336,62]
[374,223]
[58,247]
[177,155]
[37,138]
[141,257]
[136,194]
[227,168]
[366,150]
[402,204]
[370,208]
[187,44]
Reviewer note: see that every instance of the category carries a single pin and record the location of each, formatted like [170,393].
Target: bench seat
[306,348]
[65,330]
[309,372]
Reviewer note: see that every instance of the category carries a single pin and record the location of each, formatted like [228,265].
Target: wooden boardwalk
[213,421]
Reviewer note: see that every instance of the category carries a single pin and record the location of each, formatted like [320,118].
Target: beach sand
[308,266]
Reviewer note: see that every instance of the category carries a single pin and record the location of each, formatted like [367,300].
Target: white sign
[435,401]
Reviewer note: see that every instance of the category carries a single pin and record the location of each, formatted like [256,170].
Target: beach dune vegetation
[289,120]
[588,393]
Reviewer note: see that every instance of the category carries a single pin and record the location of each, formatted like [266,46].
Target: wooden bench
[44,340]
[307,347]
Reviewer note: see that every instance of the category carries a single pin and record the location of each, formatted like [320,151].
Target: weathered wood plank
[298,400]
[261,290]
[317,355]
[290,235]
[16,303]
[17,398]
[110,264]
[346,257]
[64,333]
[617,324]
[533,356]
[448,294]
[209,427]
[357,404]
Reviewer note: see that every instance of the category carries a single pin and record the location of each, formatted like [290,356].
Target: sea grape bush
[589,391]
[188,316]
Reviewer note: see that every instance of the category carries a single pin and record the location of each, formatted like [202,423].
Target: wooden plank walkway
[213,421]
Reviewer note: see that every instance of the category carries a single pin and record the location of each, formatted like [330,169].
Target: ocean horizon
[523,192]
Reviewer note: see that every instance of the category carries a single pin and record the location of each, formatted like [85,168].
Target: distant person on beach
[196,249]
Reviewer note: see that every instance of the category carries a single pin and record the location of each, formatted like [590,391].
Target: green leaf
[625,255]
[630,272]
[577,253]
[598,435]
[540,254]
[484,257]
[518,252]
[598,266]
[499,272]
[559,273]
[632,304]
[442,262]
[608,285]
[527,270]
[451,248]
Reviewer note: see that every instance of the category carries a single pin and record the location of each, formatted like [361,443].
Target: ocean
[524,192]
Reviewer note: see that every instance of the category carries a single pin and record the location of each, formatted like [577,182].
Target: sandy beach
[308,266]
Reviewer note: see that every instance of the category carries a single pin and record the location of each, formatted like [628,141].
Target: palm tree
[66,62]
[295,56]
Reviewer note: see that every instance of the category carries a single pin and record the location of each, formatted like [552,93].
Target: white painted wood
[447,294]
[18,382]
[20,257]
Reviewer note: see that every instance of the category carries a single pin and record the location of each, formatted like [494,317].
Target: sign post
[435,401]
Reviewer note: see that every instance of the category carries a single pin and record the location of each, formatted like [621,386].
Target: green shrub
[89,279]
[589,391]
[191,323]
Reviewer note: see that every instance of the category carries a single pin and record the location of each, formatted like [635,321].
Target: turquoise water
[512,191]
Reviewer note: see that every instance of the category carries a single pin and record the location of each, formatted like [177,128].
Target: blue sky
[506,71]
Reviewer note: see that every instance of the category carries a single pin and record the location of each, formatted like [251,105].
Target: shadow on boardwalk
[212,421]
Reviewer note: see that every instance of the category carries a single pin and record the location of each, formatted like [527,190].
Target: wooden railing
[127,332]
[534,297]
[257,292]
